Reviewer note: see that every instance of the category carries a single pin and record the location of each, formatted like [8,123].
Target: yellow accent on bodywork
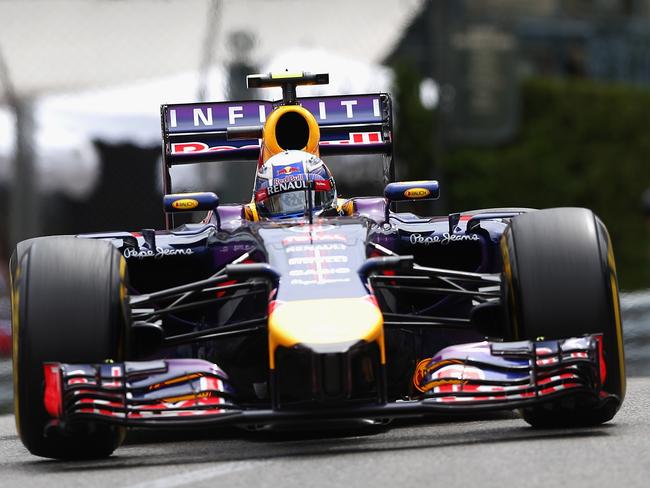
[185,398]
[286,74]
[326,321]
[270,146]
[250,212]
[345,206]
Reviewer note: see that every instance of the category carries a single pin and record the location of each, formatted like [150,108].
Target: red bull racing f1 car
[302,306]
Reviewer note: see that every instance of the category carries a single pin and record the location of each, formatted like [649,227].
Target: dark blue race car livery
[358,312]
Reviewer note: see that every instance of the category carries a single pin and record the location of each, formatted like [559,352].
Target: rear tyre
[67,306]
[560,281]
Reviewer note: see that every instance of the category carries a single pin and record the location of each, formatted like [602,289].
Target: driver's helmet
[281,185]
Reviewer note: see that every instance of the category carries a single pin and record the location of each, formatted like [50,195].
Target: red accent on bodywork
[219,294]
[372,299]
[273,304]
[53,393]
[183,147]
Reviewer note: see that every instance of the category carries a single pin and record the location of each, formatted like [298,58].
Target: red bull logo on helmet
[288,170]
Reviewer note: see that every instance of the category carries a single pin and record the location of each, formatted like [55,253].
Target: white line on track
[193,476]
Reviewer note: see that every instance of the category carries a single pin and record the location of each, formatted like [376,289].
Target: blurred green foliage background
[580,143]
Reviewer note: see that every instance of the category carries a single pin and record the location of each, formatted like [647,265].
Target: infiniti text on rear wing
[351,124]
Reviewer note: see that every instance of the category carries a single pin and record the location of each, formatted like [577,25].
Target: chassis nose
[326,351]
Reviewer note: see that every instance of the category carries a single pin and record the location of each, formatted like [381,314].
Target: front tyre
[68,305]
[560,281]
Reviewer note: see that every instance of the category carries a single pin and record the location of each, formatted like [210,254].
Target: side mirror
[401,191]
[409,191]
[190,202]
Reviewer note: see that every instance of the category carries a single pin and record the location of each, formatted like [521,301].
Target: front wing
[459,379]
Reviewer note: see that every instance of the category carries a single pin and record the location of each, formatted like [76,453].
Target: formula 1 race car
[301,306]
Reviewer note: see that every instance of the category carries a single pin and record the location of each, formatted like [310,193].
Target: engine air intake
[290,127]
[292,131]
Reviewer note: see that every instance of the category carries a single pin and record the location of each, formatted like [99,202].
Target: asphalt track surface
[497,450]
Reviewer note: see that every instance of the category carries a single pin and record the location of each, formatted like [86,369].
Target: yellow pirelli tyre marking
[122,279]
[611,263]
[121,347]
[507,271]
[15,303]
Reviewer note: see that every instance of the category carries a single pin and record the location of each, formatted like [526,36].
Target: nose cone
[326,325]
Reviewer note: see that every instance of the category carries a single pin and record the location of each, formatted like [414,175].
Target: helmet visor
[292,203]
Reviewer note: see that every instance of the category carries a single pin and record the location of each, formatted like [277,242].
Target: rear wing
[351,124]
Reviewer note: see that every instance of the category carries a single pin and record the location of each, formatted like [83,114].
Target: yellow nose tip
[326,321]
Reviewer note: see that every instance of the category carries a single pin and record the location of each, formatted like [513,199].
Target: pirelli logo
[417,193]
[185,204]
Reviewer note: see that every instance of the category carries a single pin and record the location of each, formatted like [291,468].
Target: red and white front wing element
[174,388]
[511,371]
[461,378]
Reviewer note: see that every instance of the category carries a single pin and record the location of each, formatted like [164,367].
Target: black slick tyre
[67,306]
[560,281]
